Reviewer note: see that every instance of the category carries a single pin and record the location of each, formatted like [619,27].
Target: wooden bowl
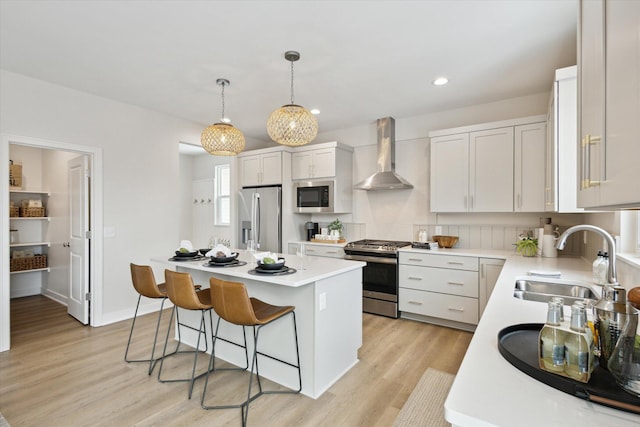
[445,241]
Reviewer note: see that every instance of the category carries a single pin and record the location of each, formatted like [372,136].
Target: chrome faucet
[562,242]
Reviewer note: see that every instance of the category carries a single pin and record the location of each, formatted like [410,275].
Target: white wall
[140,158]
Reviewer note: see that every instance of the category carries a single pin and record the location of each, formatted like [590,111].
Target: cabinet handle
[471,202]
[456,283]
[455,262]
[414,278]
[460,310]
[310,250]
[415,302]
[332,252]
[587,142]
[466,206]
[195,200]
[519,201]
[415,259]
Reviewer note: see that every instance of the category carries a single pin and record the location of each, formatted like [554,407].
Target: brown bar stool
[232,303]
[183,294]
[144,283]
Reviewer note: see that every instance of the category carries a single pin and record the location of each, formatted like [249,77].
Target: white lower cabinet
[318,249]
[439,288]
[490,269]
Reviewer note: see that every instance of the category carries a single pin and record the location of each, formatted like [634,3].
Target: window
[223,195]
[637,232]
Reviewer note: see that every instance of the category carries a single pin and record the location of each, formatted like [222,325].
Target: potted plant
[336,226]
[527,245]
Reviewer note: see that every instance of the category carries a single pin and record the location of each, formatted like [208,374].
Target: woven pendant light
[222,139]
[292,124]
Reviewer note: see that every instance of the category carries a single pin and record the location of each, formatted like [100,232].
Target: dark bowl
[186,254]
[223,259]
[204,251]
[275,266]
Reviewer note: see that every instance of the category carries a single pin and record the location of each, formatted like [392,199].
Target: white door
[78,176]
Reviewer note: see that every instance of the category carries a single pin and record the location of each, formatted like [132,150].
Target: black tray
[187,258]
[234,263]
[281,272]
[519,345]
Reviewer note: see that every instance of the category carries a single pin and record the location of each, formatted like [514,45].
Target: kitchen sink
[542,291]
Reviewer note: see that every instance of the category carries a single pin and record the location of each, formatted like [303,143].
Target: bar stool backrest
[231,302]
[181,291]
[144,282]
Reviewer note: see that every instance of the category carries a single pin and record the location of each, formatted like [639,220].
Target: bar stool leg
[153,360]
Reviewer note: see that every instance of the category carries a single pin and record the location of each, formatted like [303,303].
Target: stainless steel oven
[379,276]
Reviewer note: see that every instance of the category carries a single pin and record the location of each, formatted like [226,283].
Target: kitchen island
[327,294]
[489,391]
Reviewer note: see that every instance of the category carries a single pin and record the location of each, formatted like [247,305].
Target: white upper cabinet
[450,173]
[317,163]
[529,177]
[561,173]
[491,167]
[491,170]
[261,169]
[609,103]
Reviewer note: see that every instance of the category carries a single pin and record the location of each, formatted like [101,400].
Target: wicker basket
[29,263]
[14,211]
[31,212]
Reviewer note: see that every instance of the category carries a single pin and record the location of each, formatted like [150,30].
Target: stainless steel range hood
[386,177]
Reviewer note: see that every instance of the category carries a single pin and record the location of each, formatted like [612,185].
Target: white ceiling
[360,60]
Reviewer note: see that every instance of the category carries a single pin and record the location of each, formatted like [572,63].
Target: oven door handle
[376,259]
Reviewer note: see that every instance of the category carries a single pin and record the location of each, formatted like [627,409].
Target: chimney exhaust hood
[386,177]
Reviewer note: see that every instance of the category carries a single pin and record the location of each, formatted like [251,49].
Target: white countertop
[307,242]
[315,268]
[488,390]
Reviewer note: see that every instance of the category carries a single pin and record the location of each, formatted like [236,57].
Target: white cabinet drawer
[324,250]
[454,282]
[451,307]
[441,261]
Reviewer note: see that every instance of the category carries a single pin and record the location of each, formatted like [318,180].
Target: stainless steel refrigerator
[260,216]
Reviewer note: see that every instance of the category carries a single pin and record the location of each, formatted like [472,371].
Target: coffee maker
[312,229]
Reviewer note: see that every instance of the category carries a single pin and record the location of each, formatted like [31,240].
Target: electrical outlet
[323,301]
[438,230]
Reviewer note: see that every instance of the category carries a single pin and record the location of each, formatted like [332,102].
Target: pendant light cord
[292,83]
[222,117]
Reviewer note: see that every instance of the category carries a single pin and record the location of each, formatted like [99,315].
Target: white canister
[422,236]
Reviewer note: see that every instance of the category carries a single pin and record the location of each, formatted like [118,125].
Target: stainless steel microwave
[314,196]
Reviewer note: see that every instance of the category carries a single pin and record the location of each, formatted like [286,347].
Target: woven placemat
[425,405]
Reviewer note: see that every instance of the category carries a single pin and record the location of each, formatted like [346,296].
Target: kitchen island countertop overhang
[327,294]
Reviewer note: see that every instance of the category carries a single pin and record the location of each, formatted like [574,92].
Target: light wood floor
[60,373]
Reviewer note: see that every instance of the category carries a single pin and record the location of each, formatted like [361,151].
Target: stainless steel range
[380,275]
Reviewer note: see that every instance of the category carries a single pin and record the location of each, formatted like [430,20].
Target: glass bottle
[603,269]
[552,338]
[624,362]
[578,346]
[595,270]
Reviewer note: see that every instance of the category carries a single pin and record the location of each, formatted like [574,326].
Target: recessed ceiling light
[441,81]
[314,111]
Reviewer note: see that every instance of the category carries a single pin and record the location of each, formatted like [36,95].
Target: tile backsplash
[499,237]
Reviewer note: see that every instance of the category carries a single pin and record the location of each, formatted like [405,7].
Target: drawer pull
[456,283]
[310,250]
[415,302]
[416,259]
[415,278]
[461,310]
[455,263]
